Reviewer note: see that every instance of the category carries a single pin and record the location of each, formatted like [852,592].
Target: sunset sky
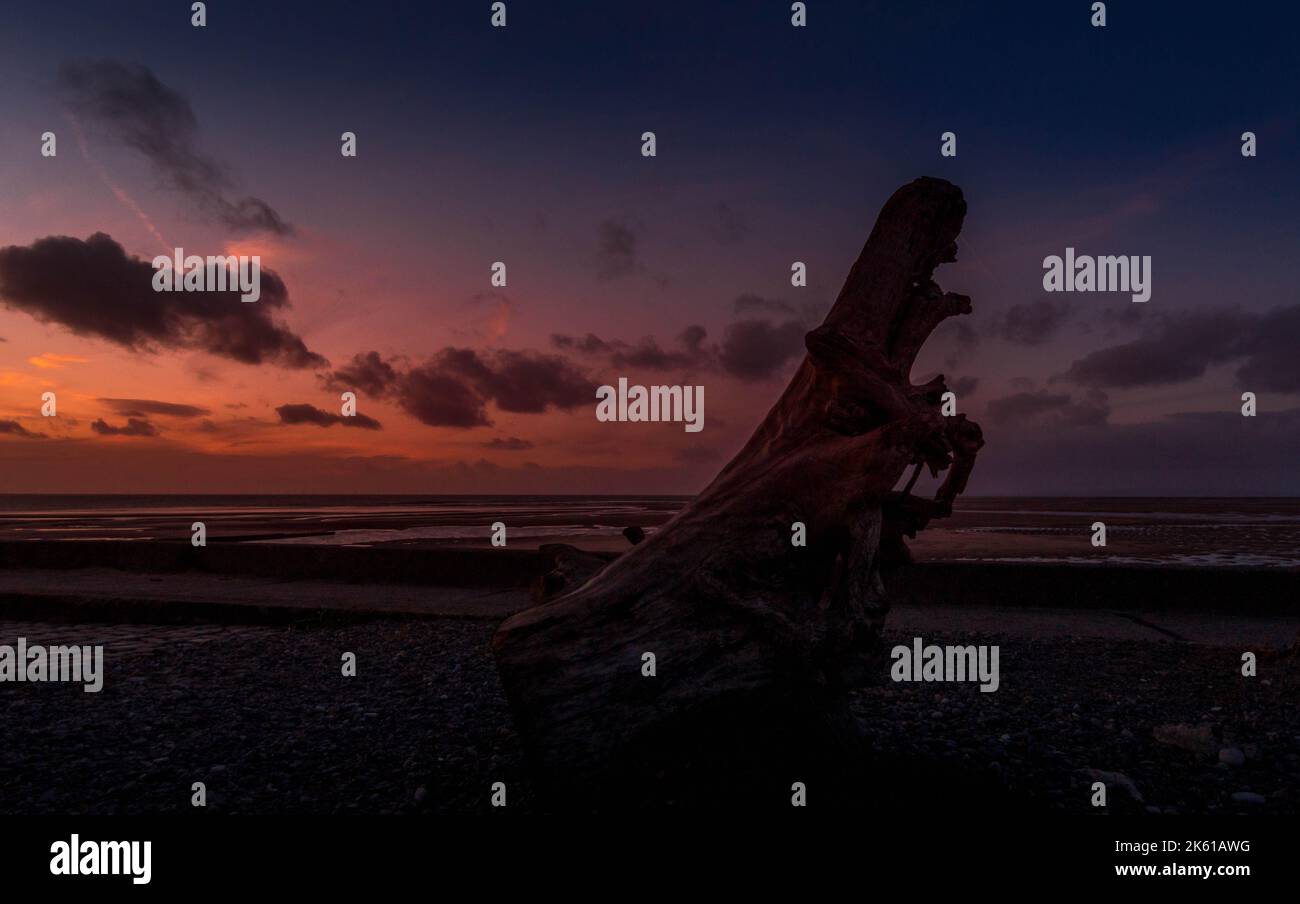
[522,145]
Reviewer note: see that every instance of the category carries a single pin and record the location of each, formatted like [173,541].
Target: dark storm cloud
[692,338]
[647,354]
[750,350]
[1033,323]
[519,381]
[367,373]
[616,254]
[754,350]
[440,400]
[1042,408]
[591,344]
[508,444]
[310,414]
[1181,347]
[130,104]
[145,407]
[93,288]
[454,388]
[13,428]
[134,426]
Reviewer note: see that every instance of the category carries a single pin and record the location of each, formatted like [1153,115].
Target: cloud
[508,444]
[964,341]
[51,361]
[754,350]
[616,254]
[143,407]
[591,344]
[1179,348]
[1033,323]
[93,288]
[133,427]
[367,373]
[130,104]
[646,354]
[964,386]
[13,428]
[441,400]
[1273,363]
[519,381]
[310,414]
[454,387]
[1043,408]
[692,338]
[751,350]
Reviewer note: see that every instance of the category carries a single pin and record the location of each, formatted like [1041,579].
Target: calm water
[1251,532]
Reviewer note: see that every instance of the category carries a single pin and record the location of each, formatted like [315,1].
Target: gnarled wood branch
[738,618]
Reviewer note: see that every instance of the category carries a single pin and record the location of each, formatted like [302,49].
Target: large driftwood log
[746,627]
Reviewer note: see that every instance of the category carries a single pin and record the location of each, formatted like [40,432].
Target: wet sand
[1246,532]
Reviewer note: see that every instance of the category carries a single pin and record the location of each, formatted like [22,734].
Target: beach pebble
[1231,756]
[420,794]
[1247,797]
[1195,738]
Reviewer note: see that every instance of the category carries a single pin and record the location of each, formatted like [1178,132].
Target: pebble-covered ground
[1068,710]
[265,719]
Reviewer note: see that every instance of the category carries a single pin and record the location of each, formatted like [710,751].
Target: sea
[1253,532]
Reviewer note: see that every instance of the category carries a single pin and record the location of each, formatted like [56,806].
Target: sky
[522,145]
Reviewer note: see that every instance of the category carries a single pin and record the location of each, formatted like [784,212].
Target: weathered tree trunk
[748,630]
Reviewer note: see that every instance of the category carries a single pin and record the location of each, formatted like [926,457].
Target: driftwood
[748,630]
